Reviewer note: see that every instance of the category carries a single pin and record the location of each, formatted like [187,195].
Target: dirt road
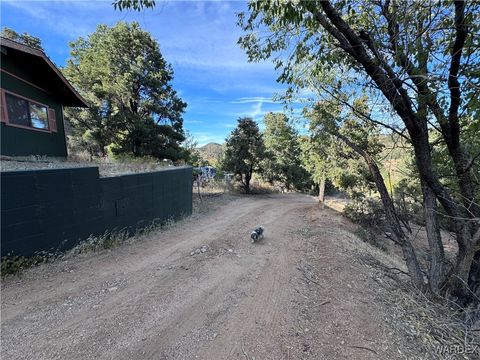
[294,295]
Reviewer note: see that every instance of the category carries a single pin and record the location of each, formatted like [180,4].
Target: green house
[32,97]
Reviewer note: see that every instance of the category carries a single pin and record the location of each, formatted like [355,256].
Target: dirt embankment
[297,294]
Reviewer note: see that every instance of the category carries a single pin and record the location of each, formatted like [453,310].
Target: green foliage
[127,82]
[305,48]
[192,155]
[283,161]
[314,157]
[16,264]
[369,214]
[407,196]
[366,212]
[311,52]
[326,155]
[24,38]
[244,151]
[136,5]
[443,162]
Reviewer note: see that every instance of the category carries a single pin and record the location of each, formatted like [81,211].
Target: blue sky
[199,40]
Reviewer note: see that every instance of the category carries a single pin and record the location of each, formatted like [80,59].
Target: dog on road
[257,234]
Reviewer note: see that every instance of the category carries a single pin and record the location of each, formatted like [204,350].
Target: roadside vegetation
[16,265]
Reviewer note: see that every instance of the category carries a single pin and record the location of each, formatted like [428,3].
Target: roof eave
[36,52]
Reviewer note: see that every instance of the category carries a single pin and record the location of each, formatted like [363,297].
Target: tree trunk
[436,272]
[474,276]
[393,221]
[457,282]
[457,279]
[248,177]
[321,193]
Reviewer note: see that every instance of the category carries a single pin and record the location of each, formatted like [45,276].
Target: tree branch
[363,115]
[399,99]
[453,84]
[472,161]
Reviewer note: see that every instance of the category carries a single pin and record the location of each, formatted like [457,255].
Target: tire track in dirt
[257,319]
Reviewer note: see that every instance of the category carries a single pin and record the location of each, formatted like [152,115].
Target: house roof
[43,71]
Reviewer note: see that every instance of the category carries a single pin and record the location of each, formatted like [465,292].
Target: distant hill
[211,152]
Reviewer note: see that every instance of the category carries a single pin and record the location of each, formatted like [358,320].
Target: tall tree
[244,151]
[315,159]
[283,162]
[24,38]
[422,58]
[327,158]
[190,147]
[123,75]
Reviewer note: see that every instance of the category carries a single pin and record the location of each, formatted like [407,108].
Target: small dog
[257,234]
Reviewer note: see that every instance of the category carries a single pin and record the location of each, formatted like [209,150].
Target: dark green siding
[22,142]
[53,210]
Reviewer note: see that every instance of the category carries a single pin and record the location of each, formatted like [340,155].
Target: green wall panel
[54,210]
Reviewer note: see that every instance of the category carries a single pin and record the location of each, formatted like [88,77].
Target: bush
[369,214]
[16,264]
[365,212]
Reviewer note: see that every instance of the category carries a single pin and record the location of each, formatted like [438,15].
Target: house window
[25,113]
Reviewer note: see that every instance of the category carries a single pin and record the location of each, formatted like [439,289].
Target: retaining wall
[54,210]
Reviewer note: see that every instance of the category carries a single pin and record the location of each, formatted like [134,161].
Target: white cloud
[256,110]
[254,99]
[31,9]
[50,14]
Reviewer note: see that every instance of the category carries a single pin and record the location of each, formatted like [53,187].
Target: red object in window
[52,122]
[3,108]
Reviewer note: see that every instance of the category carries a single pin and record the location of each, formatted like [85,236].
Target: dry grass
[336,203]
[440,327]
[107,167]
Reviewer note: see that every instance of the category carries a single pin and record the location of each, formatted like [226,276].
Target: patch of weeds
[15,265]
[157,225]
[365,212]
[113,239]
[262,189]
[434,325]
[168,223]
[108,240]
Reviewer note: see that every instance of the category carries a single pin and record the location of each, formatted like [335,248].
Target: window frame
[7,117]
